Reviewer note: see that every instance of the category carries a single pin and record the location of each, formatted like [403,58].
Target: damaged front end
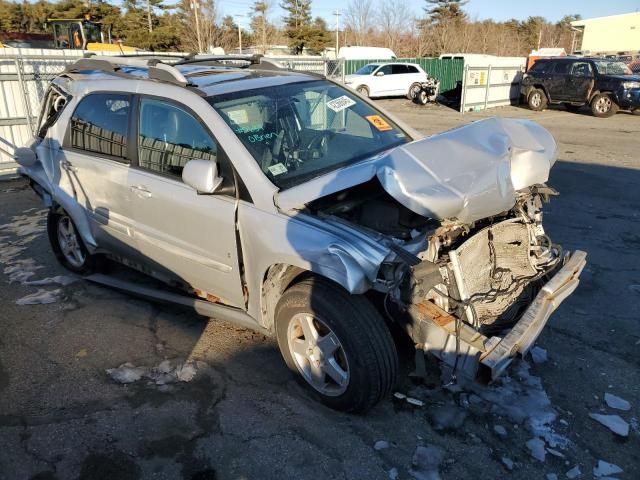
[471,273]
[497,284]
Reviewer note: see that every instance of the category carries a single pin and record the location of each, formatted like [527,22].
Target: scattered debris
[613,422]
[446,417]
[41,297]
[426,462]
[380,445]
[551,476]
[536,449]
[538,355]
[555,453]
[415,401]
[605,469]
[500,430]
[393,474]
[164,373]
[522,399]
[507,462]
[574,472]
[613,401]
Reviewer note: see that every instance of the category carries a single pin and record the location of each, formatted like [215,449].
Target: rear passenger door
[187,236]
[94,167]
[557,83]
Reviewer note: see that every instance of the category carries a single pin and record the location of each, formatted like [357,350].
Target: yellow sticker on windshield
[379,122]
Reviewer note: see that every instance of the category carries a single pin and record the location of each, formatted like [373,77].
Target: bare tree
[395,18]
[207,21]
[262,29]
[359,19]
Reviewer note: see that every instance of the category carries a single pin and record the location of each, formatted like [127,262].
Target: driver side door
[187,236]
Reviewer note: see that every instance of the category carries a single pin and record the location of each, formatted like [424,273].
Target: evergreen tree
[298,28]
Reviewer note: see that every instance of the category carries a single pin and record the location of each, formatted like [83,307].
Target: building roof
[585,21]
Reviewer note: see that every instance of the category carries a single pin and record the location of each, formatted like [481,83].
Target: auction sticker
[340,103]
[379,122]
[278,169]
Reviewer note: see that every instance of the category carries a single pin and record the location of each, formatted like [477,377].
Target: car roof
[210,79]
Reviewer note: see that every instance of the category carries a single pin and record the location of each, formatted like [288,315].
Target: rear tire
[414,90]
[423,98]
[315,314]
[603,106]
[537,100]
[67,245]
[363,90]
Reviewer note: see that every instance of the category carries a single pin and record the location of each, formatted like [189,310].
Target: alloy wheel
[70,243]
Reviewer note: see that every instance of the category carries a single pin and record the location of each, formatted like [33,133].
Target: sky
[499,10]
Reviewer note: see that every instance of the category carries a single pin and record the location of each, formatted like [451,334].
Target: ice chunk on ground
[605,469]
[500,430]
[522,399]
[41,297]
[574,472]
[507,462]
[555,453]
[616,402]
[538,355]
[551,476]
[447,417]
[393,474]
[57,280]
[426,462]
[127,373]
[536,449]
[613,422]
[380,445]
[415,401]
[186,372]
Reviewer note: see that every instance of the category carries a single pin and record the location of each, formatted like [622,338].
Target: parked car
[286,203]
[386,80]
[604,85]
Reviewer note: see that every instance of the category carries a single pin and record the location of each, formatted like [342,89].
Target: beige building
[614,34]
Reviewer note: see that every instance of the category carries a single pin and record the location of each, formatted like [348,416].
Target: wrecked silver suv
[285,203]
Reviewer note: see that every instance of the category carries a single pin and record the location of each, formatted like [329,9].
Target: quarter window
[100,124]
[412,69]
[168,137]
[399,69]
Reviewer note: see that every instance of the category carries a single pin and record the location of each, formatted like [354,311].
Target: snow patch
[41,297]
[426,462]
[605,469]
[164,373]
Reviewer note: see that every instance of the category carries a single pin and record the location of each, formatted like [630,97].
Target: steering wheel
[322,142]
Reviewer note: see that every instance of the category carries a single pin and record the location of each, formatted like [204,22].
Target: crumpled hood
[467,174]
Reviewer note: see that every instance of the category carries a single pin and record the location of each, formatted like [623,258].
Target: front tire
[337,343]
[67,245]
[537,100]
[603,106]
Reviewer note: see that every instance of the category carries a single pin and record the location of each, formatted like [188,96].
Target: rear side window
[539,67]
[399,69]
[100,124]
[561,68]
[412,69]
[168,137]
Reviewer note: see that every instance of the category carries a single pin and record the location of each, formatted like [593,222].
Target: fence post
[463,91]
[486,93]
[23,93]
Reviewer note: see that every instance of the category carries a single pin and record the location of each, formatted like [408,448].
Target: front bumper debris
[476,356]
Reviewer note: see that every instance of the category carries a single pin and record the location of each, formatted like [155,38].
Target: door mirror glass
[25,156]
[380,74]
[202,175]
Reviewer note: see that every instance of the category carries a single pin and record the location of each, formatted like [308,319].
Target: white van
[366,53]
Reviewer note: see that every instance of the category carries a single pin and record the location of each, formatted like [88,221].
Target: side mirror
[25,156]
[379,74]
[202,175]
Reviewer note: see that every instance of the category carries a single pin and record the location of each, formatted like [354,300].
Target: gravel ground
[243,416]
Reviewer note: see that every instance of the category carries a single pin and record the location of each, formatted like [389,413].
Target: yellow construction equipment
[84,34]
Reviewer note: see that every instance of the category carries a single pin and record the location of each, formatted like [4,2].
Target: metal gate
[490,86]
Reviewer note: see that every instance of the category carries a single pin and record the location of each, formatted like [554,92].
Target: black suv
[606,85]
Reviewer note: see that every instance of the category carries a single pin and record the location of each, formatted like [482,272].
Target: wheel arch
[539,86]
[79,215]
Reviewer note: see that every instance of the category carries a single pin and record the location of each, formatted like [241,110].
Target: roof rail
[156,69]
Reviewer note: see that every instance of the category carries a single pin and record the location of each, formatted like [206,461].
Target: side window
[581,69]
[386,69]
[168,137]
[399,69]
[412,69]
[540,67]
[100,124]
[561,68]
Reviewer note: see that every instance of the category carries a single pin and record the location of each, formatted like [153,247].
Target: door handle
[141,191]
[67,165]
